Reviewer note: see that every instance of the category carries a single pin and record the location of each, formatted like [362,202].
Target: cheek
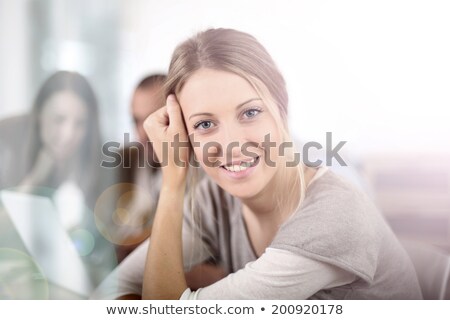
[206,154]
[141,133]
[207,168]
[80,135]
[271,135]
[195,146]
[48,132]
[267,128]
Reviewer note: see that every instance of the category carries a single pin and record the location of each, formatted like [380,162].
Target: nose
[231,139]
[68,134]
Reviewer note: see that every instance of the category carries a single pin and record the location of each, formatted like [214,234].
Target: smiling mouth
[242,166]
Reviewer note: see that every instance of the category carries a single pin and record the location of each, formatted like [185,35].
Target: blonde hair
[240,53]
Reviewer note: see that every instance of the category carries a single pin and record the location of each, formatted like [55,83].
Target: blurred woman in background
[58,141]
[55,151]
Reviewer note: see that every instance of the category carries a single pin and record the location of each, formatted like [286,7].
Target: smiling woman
[263,231]
[235,116]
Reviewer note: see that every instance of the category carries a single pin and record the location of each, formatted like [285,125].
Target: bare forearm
[204,275]
[164,276]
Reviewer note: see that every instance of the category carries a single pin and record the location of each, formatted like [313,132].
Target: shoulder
[337,224]
[332,200]
[332,197]
[14,121]
[16,126]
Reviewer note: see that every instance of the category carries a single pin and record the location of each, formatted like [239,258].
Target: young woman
[58,141]
[272,230]
[55,151]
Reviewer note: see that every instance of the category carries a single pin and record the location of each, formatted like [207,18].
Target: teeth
[241,167]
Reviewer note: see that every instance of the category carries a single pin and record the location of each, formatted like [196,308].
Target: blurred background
[375,74]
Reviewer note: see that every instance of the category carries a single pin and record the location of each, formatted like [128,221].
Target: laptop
[37,222]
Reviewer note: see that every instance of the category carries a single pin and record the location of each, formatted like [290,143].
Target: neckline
[248,243]
[319,173]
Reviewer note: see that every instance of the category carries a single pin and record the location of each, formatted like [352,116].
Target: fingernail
[171,98]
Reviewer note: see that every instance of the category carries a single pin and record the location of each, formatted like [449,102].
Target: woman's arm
[164,275]
[41,171]
[125,282]
[203,275]
[277,274]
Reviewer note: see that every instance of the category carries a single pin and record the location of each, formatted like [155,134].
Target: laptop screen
[38,224]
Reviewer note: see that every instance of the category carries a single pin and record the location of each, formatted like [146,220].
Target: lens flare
[84,241]
[20,277]
[124,214]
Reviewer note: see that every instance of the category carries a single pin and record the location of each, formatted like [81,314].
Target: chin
[242,190]
[242,193]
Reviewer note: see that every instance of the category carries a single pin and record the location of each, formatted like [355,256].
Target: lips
[239,166]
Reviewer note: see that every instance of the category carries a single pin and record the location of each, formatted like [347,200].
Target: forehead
[147,100]
[65,102]
[208,89]
[147,94]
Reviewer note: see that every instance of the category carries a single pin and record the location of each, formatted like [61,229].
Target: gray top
[337,231]
[336,224]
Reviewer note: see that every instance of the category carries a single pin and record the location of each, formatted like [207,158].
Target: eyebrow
[237,108]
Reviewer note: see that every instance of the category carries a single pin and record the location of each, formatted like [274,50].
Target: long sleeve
[127,278]
[277,274]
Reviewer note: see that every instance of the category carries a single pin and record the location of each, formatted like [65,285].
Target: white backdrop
[375,73]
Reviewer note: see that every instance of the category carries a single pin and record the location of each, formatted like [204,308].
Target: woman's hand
[43,167]
[167,133]
[164,277]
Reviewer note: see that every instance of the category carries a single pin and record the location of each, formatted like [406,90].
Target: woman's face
[63,124]
[228,122]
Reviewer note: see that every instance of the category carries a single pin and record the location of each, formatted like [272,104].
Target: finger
[174,111]
[159,118]
[162,117]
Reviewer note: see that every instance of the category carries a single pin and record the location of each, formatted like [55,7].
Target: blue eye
[203,125]
[251,113]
